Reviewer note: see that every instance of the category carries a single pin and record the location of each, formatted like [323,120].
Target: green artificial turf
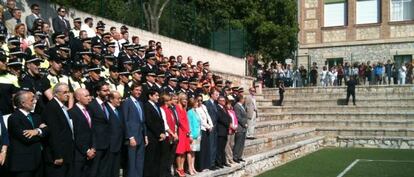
[330,162]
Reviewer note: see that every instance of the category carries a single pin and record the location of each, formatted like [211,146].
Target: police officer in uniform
[191,92]
[33,81]
[7,86]
[172,86]
[94,77]
[136,75]
[124,82]
[75,81]
[159,83]
[55,74]
[148,85]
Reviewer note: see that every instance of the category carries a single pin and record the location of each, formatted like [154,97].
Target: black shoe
[227,165]
[215,168]
[242,160]
[237,161]
[220,166]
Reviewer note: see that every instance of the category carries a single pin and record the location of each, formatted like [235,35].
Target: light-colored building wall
[353,42]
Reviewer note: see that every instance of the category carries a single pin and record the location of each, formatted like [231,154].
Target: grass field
[349,162]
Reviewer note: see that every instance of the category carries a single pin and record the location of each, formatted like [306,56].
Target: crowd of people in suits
[83,102]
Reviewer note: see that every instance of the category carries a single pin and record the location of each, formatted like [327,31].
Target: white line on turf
[396,161]
[348,168]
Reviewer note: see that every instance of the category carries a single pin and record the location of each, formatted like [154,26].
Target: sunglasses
[37,63]
[62,11]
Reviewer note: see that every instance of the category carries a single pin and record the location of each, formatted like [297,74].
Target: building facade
[339,31]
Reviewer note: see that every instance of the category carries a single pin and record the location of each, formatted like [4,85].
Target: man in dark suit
[135,131]
[223,124]
[147,86]
[82,130]
[60,24]
[240,135]
[59,147]
[156,135]
[100,121]
[212,111]
[26,132]
[116,136]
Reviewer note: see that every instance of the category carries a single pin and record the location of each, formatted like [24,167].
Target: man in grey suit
[133,113]
[59,23]
[240,136]
[16,19]
[251,110]
[35,8]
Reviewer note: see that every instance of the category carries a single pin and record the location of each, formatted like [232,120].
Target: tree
[152,11]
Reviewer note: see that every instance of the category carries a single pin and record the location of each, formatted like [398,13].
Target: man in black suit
[223,124]
[156,135]
[212,111]
[59,147]
[82,130]
[26,132]
[147,86]
[135,131]
[60,24]
[101,131]
[116,129]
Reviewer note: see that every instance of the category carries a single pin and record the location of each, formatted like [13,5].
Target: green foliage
[271,26]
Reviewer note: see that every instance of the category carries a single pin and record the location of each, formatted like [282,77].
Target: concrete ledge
[262,162]
[376,142]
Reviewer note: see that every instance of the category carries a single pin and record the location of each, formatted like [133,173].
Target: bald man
[116,133]
[82,130]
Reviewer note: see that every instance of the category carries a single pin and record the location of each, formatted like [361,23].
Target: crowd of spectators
[88,100]
[366,73]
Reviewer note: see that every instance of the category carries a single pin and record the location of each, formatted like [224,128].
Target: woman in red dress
[183,147]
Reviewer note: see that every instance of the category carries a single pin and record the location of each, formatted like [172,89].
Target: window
[333,62]
[400,60]
[367,11]
[334,13]
[402,10]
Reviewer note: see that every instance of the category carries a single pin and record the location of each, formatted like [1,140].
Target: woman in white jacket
[203,157]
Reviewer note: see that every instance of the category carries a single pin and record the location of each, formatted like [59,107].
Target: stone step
[359,123]
[389,142]
[265,142]
[266,117]
[317,96]
[265,127]
[333,102]
[335,109]
[374,89]
[361,131]
[264,161]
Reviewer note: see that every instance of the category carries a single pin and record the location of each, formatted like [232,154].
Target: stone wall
[218,61]
[376,142]
[398,31]
[367,33]
[334,35]
[361,53]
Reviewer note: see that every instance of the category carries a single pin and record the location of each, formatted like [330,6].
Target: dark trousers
[114,163]
[52,170]
[82,168]
[152,158]
[135,167]
[203,157]
[239,139]
[25,174]
[221,150]
[165,162]
[340,77]
[348,94]
[281,99]
[213,147]
[99,167]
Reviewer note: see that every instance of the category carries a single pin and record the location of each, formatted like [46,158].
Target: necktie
[88,119]
[116,113]
[65,111]
[139,110]
[104,110]
[18,21]
[29,117]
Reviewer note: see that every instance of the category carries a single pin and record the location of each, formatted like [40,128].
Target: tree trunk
[152,14]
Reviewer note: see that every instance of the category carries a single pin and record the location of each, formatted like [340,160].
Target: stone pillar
[351,20]
[385,18]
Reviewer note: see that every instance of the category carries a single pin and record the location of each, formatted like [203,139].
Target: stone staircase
[313,118]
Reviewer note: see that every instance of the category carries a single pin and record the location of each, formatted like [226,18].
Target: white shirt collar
[24,112]
[99,100]
[111,106]
[81,107]
[152,103]
[133,99]
[59,102]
